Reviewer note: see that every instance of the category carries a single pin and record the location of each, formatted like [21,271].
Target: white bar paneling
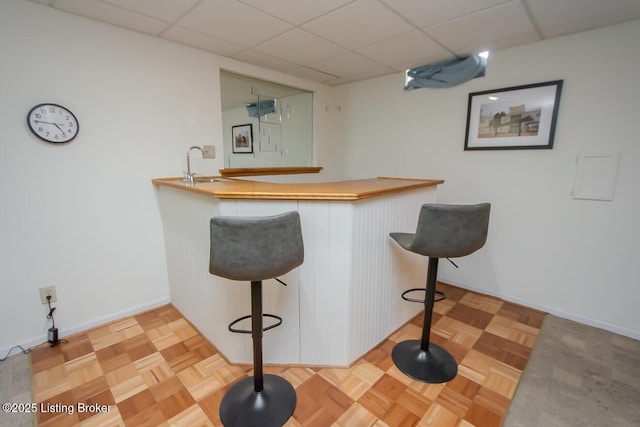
[342,301]
[193,291]
[211,302]
[324,282]
[382,270]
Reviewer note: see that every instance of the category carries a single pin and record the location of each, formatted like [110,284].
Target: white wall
[84,216]
[574,258]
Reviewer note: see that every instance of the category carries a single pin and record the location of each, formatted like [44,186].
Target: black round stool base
[433,366]
[242,406]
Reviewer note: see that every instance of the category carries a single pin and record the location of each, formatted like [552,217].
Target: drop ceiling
[339,41]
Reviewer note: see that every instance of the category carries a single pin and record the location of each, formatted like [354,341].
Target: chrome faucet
[188,176]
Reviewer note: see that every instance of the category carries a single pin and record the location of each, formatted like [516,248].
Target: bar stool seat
[443,231]
[255,249]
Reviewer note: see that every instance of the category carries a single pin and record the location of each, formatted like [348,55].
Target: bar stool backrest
[450,231]
[255,248]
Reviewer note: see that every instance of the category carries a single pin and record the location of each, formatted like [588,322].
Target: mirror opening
[265,124]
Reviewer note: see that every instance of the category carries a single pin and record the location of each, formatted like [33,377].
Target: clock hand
[49,123]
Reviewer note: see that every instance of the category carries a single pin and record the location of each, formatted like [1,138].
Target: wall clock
[53,123]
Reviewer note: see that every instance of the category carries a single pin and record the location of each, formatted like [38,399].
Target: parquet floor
[154,369]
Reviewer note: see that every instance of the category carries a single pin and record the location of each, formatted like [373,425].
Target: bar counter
[345,297]
[229,188]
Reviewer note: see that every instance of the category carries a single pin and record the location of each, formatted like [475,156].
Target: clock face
[52,123]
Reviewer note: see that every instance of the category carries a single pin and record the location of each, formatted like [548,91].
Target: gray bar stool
[255,249]
[443,231]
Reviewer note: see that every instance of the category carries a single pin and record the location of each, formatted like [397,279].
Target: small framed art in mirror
[242,136]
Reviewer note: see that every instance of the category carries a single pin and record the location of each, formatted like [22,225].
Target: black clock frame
[52,105]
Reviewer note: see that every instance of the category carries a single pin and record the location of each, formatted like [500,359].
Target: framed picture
[242,138]
[513,118]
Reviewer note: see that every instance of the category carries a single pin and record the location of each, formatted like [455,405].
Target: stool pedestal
[420,359]
[261,400]
[243,406]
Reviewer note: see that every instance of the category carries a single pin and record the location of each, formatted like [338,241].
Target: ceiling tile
[166,10]
[112,15]
[504,43]
[569,16]
[485,30]
[404,48]
[201,41]
[358,24]
[350,66]
[311,74]
[373,37]
[403,66]
[300,47]
[425,13]
[255,57]
[232,21]
[263,60]
[296,12]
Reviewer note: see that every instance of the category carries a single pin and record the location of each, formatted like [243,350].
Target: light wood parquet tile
[454,402]
[298,375]
[50,382]
[125,382]
[438,416]
[455,331]
[429,391]
[155,369]
[503,379]
[413,401]
[443,307]
[487,408]
[410,331]
[513,330]
[353,381]
[190,417]
[356,415]
[482,302]
[108,419]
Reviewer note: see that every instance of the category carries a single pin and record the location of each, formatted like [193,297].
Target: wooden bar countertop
[229,188]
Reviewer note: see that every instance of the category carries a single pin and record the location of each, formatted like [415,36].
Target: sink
[202,180]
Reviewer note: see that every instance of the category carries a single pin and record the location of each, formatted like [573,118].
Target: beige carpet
[15,387]
[578,376]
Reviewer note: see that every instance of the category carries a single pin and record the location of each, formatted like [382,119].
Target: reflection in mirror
[265,124]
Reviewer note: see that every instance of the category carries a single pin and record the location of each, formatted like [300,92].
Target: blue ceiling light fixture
[261,108]
[447,73]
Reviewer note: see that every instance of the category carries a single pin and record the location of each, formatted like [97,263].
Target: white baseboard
[585,320]
[32,342]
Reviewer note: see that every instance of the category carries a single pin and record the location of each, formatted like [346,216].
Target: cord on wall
[12,348]
[52,337]
[53,331]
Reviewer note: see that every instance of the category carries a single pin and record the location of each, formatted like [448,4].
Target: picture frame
[512,118]
[242,138]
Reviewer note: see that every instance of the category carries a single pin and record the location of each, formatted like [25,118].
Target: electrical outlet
[208,151]
[49,290]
